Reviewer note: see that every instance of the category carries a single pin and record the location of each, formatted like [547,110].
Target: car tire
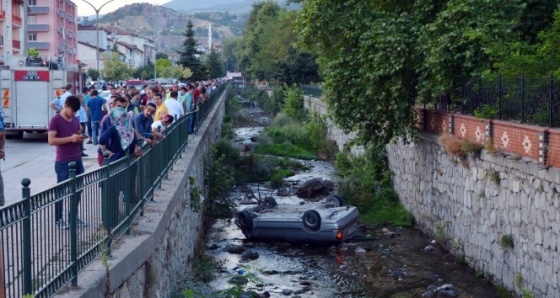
[245,219]
[269,202]
[311,220]
[333,201]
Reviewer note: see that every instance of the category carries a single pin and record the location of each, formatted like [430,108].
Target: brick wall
[519,139]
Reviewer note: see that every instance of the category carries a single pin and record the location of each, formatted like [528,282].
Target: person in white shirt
[174,107]
[58,103]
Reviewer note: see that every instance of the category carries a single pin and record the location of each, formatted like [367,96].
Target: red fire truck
[27,92]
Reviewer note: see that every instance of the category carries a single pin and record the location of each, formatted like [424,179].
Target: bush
[486,112]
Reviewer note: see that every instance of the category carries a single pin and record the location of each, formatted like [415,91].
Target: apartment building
[12,13]
[52,29]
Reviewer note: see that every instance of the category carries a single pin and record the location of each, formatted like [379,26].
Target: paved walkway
[39,168]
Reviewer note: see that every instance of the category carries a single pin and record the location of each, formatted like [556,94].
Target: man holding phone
[65,133]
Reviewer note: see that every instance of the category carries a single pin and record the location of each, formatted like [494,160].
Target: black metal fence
[524,100]
[39,258]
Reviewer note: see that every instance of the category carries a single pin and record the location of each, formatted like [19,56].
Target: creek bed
[385,262]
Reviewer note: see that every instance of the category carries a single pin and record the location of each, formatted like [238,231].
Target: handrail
[39,258]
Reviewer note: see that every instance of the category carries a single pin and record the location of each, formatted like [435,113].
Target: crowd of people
[115,124]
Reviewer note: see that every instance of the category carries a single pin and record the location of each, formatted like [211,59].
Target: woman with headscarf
[118,138]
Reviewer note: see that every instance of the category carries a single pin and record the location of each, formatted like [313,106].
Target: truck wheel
[18,135]
[269,202]
[312,220]
[333,201]
[245,219]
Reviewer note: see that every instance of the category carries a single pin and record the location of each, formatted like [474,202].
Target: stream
[382,261]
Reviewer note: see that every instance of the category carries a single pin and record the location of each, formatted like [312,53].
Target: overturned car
[326,222]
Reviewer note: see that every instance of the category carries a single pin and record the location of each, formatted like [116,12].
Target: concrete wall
[159,251]
[471,205]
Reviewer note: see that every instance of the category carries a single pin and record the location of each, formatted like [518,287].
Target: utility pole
[97,10]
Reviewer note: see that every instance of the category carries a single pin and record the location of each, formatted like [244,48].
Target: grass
[286,150]
[507,241]
[393,214]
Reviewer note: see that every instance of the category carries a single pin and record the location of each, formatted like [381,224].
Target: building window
[32,2]
[31,19]
[32,36]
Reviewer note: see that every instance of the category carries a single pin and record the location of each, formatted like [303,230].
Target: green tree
[113,68]
[378,56]
[93,74]
[229,48]
[161,55]
[188,55]
[162,64]
[215,65]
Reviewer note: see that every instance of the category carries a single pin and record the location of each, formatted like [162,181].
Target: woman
[118,138]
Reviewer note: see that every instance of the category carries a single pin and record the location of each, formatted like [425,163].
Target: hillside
[230,6]
[150,21]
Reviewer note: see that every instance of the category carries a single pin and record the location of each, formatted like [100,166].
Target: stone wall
[473,205]
[477,203]
[160,248]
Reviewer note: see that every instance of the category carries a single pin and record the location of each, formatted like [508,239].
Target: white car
[327,222]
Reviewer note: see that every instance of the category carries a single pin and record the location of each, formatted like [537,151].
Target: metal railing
[525,100]
[39,258]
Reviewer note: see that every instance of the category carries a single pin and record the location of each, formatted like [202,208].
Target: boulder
[315,187]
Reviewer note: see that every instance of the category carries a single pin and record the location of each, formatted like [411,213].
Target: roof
[90,28]
[87,44]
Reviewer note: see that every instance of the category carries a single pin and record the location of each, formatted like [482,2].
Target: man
[175,107]
[2,155]
[142,122]
[95,105]
[58,103]
[161,109]
[65,133]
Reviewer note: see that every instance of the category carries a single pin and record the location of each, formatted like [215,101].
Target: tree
[377,57]
[161,55]
[93,74]
[229,48]
[188,56]
[215,65]
[161,64]
[113,68]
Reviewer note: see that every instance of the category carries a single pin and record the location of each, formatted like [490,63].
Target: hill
[230,6]
[147,20]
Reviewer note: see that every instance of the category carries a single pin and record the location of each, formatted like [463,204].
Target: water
[389,262]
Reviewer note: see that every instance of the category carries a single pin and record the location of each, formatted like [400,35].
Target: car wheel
[312,220]
[269,202]
[245,219]
[333,201]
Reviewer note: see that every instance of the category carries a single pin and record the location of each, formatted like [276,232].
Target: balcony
[37,27]
[16,44]
[1,41]
[16,21]
[2,15]
[35,10]
[38,45]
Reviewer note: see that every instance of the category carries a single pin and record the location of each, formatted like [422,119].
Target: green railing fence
[39,258]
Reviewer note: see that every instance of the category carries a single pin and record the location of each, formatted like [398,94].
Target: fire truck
[28,89]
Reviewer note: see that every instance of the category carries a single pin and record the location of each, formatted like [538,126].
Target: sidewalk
[40,170]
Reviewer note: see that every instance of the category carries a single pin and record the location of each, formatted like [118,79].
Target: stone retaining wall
[160,249]
[473,205]
[477,203]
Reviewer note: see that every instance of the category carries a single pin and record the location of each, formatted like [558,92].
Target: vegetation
[114,69]
[506,241]
[188,55]
[458,147]
[93,74]
[215,65]
[366,184]
[486,112]
[266,51]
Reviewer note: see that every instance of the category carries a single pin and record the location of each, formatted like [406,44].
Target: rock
[212,247]
[270,272]
[235,249]
[360,250]
[287,292]
[429,248]
[433,242]
[447,290]
[283,192]
[249,244]
[385,230]
[315,187]
[398,273]
[238,280]
[249,255]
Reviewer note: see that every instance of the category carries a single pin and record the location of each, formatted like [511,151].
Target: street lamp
[97,10]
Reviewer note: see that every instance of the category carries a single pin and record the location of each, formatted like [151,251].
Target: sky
[85,10]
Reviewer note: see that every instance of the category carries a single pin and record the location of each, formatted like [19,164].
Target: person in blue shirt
[94,106]
[142,123]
